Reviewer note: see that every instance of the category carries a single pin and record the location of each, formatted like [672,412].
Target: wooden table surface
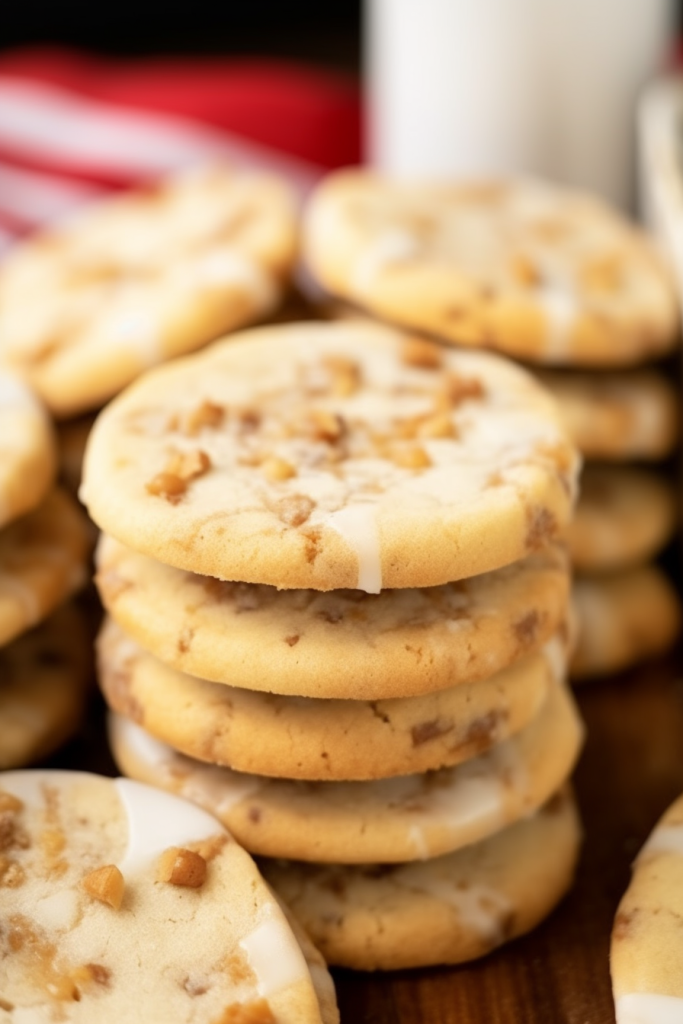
[631,769]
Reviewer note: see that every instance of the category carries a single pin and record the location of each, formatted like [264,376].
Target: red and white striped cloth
[74,128]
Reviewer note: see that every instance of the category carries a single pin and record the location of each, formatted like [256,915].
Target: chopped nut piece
[325,426]
[524,270]
[9,802]
[11,874]
[457,389]
[414,457]
[181,468]
[294,509]
[11,835]
[207,414]
[106,885]
[181,867]
[421,353]
[257,1011]
[275,469]
[440,425]
[345,375]
[167,485]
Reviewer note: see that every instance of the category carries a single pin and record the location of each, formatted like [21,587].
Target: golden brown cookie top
[524,267]
[331,456]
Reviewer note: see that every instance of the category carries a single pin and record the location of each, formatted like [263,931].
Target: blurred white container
[507,86]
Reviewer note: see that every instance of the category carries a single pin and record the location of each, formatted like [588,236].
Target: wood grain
[630,771]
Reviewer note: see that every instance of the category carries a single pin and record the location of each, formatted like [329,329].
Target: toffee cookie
[93,870]
[28,458]
[647,941]
[42,562]
[331,456]
[445,910]
[412,817]
[624,617]
[535,271]
[142,278]
[345,644]
[308,738]
[624,516]
[616,416]
[43,679]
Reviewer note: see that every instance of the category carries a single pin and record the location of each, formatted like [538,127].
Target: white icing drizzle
[416,837]
[15,395]
[222,267]
[157,820]
[24,595]
[649,1008]
[480,908]
[58,911]
[665,839]
[215,789]
[357,524]
[274,956]
[555,655]
[390,248]
[560,308]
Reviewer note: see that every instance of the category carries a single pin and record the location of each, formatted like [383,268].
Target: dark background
[327,32]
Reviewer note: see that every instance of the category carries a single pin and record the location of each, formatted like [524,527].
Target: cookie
[344,644]
[525,267]
[331,456]
[624,516]
[308,738]
[28,460]
[406,818]
[647,941]
[445,910]
[94,870]
[632,414]
[43,679]
[142,278]
[42,562]
[624,617]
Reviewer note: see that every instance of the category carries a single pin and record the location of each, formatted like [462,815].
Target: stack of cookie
[43,553]
[140,279]
[338,621]
[552,278]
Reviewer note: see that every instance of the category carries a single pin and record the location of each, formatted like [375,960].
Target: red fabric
[306,113]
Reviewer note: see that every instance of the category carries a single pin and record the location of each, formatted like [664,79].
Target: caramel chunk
[181,867]
[439,425]
[106,885]
[257,1011]
[181,468]
[524,270]
[414,457]
[345,375]
[9,802]
[295,509]
[421,353]
[275,469]
[207,415]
